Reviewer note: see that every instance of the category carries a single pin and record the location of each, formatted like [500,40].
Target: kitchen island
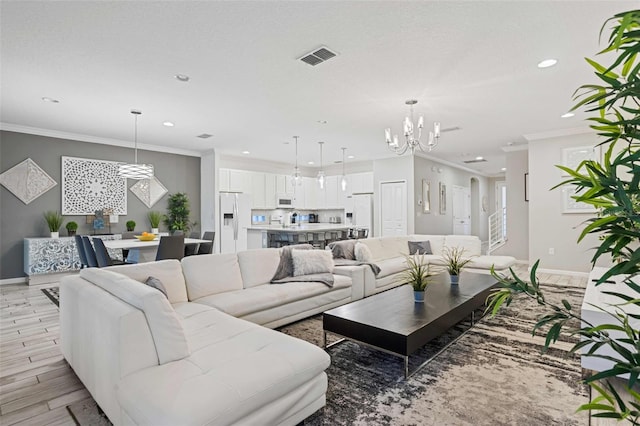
[261,236]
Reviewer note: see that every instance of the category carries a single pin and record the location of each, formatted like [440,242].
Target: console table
[45,257]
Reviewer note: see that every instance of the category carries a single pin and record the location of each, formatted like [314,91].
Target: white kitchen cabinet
[223,181]
[240,181]
[310,193]
[299,196]
[331,191]
[361,183]
[270,191]
[284,185]
[258,193]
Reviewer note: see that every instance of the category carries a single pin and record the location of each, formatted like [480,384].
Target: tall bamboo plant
[612,187]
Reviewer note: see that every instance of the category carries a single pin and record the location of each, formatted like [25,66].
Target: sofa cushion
[258,266]
[391,266]
[419,247]
[167,271]
[343,249]
[307,262]
[362,252]
[470,243]
[376,249]
[498,262]
[168,335]
[208,274]
[240,303]
[157,284]
[395,246]
[285,265]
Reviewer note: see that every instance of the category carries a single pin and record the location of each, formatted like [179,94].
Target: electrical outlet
[552,250]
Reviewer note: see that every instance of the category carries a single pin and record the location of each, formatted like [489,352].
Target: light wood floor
[36,383]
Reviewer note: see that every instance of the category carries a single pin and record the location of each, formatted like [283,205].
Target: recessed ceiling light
[311,163]
[168,124]
[504,169]
[182,77]
[479,158]
[246,152]
[53,101]
[351,157]
[567,115]
[547,63]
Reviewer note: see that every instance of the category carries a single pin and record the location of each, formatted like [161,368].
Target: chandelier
[135,170]
[296,178]
[411,141]
[321,178]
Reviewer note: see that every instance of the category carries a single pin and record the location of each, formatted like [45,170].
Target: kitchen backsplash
[263,217]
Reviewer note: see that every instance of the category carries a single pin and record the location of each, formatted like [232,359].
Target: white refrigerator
[363,212]
[235,218]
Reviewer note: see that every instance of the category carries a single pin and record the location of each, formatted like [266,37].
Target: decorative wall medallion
[90,185]
[149,191]
[27,181]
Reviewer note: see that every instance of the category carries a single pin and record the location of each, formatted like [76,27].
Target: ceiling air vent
[475,161]
[317,56]
[204,136]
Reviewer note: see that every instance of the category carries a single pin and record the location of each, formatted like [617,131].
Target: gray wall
[549,227]
[178,173]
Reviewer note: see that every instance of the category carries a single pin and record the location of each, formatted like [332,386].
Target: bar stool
[362,233]
[330,237]
[316,239]
[344,234]
[296,238]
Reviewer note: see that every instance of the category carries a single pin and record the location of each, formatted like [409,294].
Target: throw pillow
[285,267]
[157,284]
[362,253]
[343,249]
[306,262]
[420,247]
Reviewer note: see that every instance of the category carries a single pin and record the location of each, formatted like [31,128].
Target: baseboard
[563,272]
[8,281]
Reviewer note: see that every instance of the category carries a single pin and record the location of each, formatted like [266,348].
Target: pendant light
[296,178]
[320,178]
[135,170]
[343,181]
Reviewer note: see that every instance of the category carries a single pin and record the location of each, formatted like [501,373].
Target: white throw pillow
[306,262]
[362,253]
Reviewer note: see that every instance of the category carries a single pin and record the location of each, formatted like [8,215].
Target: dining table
[144,251]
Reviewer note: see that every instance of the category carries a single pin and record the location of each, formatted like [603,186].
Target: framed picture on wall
[570,205]
[443,198]
[572,157]
[526,186]
[426,196]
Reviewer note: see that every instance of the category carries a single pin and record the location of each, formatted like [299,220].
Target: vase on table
[155,231]
[418,296]
[55,234]
[454,279]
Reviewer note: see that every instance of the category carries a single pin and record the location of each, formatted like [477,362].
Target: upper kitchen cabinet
[258,193]
[361,183]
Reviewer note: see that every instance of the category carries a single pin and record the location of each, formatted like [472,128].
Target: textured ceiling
[469,64]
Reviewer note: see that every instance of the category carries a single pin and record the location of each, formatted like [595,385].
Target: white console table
[46,257]
[594,298]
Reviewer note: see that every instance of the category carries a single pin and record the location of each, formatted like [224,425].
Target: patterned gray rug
[493,375]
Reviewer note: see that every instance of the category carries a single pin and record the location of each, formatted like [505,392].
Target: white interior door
[461,210]
[393,208]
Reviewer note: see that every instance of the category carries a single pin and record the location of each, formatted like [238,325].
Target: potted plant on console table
[154,219]
[418,274]
[454,260]
[72,227]
[54,222]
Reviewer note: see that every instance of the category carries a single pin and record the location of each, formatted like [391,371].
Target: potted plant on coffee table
[154,219]
[418,274]
[54,222]
[131,225]
[454,262]
[72,227]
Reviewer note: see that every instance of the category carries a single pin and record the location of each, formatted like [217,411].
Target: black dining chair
[127,236]
[102,255]
[191,249]
[171,247]
[207,248]
[81,252]
[92,260]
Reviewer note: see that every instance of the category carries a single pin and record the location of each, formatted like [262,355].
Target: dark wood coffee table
[392,322]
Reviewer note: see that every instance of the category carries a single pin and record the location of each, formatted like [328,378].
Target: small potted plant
[131,225]
[154,220]
[454,262]
[72,227]
[418,274]
[54,222]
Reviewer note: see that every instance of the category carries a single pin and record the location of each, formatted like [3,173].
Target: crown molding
[9,127]
[514,148]
[532,137]
[451,164]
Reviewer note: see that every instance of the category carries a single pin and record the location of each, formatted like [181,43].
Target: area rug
[493,375]
[53,293]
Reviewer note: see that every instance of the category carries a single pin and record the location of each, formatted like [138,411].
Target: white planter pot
[55,235]
[155,231]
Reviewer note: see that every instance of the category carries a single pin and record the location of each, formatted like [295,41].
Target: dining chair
[207,248]
[92,261]
[81,252]
[171,247]
[102,255]
[191,249]
[127,236]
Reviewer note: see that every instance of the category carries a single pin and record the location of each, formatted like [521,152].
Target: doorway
[393,208]
[475,206]
[461,209]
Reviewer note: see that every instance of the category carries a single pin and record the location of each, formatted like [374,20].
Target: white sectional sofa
[389,253]
[199,355]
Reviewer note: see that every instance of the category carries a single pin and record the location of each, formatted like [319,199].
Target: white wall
[548,226]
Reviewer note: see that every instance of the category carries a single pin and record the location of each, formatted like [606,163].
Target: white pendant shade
[136,171]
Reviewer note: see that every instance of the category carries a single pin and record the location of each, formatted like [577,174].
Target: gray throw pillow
[420,247]
[157,284]
[343,249]
[285,267]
